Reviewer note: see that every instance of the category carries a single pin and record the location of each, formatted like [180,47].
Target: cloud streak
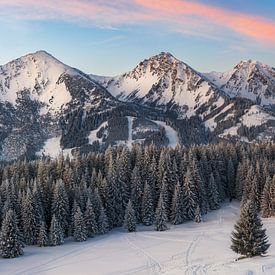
[191,17]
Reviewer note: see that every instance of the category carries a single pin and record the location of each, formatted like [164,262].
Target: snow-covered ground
[185,249]
[53,149]
[92,136]
[171,134]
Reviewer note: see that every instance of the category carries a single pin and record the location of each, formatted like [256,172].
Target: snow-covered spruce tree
[130,218]
[266,202]
[31,218]
[42,239]
[213,194]
[161,216]
[90,219]
[80,232]
[10,244]
[148,214]
[177,212]
[231,186]
[72,216]
[56,236]
[165,193]
[124,175]
[60,205]
[190,196]
[197,215]
[136,192]
[103,225]
[249,238]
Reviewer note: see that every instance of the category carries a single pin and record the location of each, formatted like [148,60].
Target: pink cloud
[181,15]
[251,26]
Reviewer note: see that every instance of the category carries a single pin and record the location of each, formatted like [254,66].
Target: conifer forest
[44,201]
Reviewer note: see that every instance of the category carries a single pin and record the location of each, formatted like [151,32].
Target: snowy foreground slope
[185,249]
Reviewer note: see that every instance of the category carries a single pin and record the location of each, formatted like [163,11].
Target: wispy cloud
[190,17]
[107,40]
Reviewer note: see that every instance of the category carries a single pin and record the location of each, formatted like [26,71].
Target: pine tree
[10,244]
[56,236]
[190,197]
[80,232]
[60,205]
[148,214]
[266,202]
[213,194]
[177,213]
[103,225]
[198,214]
[136,192]
[31,217]
[42,239]
[231,180]
[90,220]
[130,218]
[161,216]
[249,238]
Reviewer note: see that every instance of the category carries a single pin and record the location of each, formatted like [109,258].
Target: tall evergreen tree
[60,205]
[148,214]
[56,236]
[177,212]
[249,238]
[161,216]
[103,225]
[198,215]
[213,194]
[31,218]
[90,220]
[10,244]
[130,218]
[80,232]
[42,239]
[190,197]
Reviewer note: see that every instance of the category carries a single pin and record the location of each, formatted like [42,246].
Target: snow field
[185,249]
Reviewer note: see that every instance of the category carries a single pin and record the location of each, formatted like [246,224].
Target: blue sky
[116,37]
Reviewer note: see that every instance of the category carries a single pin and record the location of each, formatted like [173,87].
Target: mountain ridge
[45,103]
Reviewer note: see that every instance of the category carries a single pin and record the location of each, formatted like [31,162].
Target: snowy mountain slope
[219,99]
[249,79]
[39,73]
[41,98]
[43,78]
[184,249]
[165,82]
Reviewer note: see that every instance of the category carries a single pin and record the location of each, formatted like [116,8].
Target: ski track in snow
[153,265]
[130,131]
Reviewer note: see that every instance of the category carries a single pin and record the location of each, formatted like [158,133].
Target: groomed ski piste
[189,248]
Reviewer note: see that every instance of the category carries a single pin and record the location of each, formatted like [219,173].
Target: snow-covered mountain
[164,82]
[219,99]
[249,79]
[47,107]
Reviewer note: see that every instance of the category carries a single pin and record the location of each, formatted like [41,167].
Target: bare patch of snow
[171,134]
[255,117]
[93,134]
[53,149]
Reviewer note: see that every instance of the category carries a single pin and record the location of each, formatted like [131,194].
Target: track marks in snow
[130,131]
[152,264]
[193,269]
